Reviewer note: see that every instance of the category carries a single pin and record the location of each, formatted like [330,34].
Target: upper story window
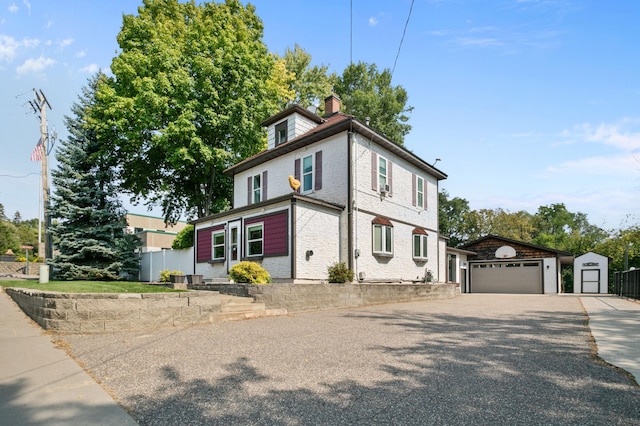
[307,173]
[257,189]
[382,172]
[381,175]
[419,196]
[281,132]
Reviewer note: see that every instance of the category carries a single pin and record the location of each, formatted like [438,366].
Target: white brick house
[363,200]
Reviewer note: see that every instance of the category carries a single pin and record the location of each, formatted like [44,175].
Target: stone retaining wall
[19,268]
[91,313]
[313,297]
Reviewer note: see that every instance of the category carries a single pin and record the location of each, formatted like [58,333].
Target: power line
[19,177]
[406,24]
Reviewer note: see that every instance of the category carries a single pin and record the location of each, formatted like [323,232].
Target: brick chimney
[331,105]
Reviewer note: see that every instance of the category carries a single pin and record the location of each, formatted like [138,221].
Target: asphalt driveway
[472,360]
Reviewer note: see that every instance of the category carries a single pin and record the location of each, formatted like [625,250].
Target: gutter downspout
[293,238]
[351,261]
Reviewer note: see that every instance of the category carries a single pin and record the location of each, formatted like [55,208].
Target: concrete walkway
[41,385]
[615,326]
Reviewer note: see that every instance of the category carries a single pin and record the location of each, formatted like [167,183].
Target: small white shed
[591,273]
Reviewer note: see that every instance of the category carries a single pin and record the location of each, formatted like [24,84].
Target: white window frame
[256,195]
[310,174]
[422,246]
[420,193]
[281,129]
[383,178]
[386,240]
[249,240]
[214,245]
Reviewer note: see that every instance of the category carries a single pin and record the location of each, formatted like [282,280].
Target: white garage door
[507,277]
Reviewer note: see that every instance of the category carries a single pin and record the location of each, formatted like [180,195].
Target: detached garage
[502,265]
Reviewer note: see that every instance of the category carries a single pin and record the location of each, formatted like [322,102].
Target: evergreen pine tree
[90,228]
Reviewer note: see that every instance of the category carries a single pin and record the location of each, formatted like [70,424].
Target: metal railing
[627,284]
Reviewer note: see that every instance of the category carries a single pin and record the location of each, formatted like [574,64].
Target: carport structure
[502,265]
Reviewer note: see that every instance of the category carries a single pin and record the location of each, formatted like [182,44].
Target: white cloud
[66,42]
[90,69]
[35,65]
[81,54]
[26,3]
[609,166]
[373,21]
[13,8]
[478,41]
[30,42]
[8,48]
[624,134]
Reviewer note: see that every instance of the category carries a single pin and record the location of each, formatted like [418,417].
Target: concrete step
[251,307]
[238,316]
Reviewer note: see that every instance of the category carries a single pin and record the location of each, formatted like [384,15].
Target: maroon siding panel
[276,235]
[318,183]
[204,243]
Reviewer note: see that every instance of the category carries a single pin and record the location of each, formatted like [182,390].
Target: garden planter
[176,278]
[194,279]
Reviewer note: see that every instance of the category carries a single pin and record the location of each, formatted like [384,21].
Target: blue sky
[526,102]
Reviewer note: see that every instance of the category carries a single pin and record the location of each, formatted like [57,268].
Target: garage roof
[565,258]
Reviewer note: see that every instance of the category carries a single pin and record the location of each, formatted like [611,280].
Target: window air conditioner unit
[384,189]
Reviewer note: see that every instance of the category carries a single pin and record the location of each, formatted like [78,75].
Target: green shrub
[165,275]
[184,239]
[339,273]
[249,272]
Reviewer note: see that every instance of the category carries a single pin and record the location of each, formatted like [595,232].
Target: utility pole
[40,105]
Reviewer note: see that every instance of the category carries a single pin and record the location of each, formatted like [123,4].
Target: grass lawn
[88,286]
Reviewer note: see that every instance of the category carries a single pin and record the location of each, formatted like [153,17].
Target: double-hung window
[217,245]
[307,174]
[281,132]
[420,192]
[382,173]
[382,237]
[255,239]
[419,244]
[257,189]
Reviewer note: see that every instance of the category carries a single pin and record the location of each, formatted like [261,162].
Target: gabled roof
[332,125]
[287,112]
[560,253]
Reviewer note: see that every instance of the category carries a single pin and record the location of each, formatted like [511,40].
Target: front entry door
[235,237]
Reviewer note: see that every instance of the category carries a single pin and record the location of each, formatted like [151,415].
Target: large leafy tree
[369,95]
[190,87]
[89,232]
[310,85]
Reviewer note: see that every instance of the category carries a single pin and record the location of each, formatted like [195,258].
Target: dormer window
[281,132]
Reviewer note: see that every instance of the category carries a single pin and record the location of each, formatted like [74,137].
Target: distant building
[153,232]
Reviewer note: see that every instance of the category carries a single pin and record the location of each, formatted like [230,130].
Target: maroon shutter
[318,176]
[374,171]
[390,177]
[249,189]
[413,189]
[424,193]
[296,172]
[264,186]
